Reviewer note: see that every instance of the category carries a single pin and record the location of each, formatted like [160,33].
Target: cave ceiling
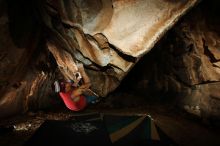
[107,36]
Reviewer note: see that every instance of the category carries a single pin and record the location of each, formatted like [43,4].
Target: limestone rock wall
[107,36]
[25,68]
[110,37]
[184,64]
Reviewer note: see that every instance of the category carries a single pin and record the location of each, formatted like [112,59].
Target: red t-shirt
[73,103]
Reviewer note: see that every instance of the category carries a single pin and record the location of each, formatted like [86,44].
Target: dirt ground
[183,128]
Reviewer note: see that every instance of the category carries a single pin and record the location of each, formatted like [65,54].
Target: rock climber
[76,95]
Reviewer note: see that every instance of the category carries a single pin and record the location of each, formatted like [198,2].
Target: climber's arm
[86,81]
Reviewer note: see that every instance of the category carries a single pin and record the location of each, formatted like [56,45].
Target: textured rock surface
[184,64]
[24,69]
[109,37]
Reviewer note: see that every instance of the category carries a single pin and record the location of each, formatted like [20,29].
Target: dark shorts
[91,99]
